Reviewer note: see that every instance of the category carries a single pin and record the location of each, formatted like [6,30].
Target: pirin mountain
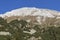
[30,23]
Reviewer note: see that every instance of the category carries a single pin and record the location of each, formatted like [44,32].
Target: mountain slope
[31,14]
[30,24]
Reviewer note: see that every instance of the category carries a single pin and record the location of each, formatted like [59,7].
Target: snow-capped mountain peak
[31,11]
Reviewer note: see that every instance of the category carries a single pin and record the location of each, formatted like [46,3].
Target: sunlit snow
[30,11]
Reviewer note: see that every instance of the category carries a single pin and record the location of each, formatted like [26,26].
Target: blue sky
[7,5]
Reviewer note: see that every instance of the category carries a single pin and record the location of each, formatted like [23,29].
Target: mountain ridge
[30,11]
[32,14]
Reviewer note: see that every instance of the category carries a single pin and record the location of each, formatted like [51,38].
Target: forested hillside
[23,30]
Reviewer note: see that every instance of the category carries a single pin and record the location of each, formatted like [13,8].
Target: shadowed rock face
[30,24]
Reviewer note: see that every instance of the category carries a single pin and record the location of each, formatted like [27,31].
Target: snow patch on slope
[4,33]
[32,31]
